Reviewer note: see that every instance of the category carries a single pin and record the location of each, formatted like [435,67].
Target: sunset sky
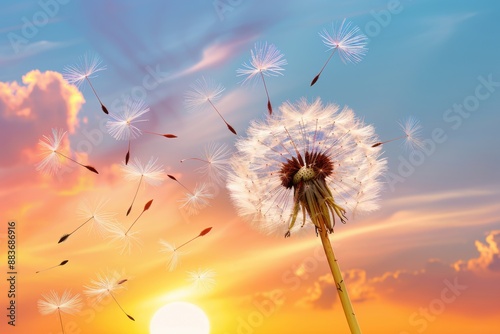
[428,261]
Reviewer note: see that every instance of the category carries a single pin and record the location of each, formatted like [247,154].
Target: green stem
[339,281]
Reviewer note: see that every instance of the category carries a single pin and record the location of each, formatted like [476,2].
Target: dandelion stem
[183,186]
[388,141]
[321,71]
[135,221]
[60,319]
[198,159]
[121,308]
[133,200]
[269,107]
[92,169]
[227,124]
[187,242]
[339,281]
[166,135]
[104,109]
[66,236]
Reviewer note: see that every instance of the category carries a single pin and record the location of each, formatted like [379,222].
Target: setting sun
[179,318]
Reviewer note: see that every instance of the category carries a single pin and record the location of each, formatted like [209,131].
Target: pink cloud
[29,110]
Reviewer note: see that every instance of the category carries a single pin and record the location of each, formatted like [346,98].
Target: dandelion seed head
[151,172]
[203,279]
[266,59]
[103,285]
[347,39]
[202,92]
[66,303]
[308,163]
[197,200]
[52,162]
[121,124]
[88,65]
[412,129]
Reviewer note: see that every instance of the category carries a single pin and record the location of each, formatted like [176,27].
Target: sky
[428,261]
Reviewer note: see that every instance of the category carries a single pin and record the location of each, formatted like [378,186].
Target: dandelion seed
[215,162]
[151,173]
[58,265]
[197,200]
[204,92]
[412,130]
[67,303]
[266,60]
[313,162]
[345,39]
[52,163]
[121,125]
[106,285]
[202,279]
[174,251]
[101,221]
[87,67]
[126,240]
[146,207]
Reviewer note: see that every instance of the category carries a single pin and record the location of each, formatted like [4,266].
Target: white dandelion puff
[216,162]
[86,68]
[125,240]
[266,60]
[202,279]
[197,200]
[347,40]
[66,303]
[106,285]
[203,93]
[173,254]
[412,130]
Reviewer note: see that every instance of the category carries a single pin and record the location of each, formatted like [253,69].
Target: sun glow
[179,318]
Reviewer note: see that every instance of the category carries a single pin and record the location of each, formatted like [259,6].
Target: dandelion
[52,163]
[203,279]
[146,207]
[412,129]
[215,162]
[266,60]
[87,67]
[126,240]
[122,126]
[102,221]
[58,265]
[347,40]
[174,252]
[151,173]
[67,303]
[106,285]
[205,92]
[313,162]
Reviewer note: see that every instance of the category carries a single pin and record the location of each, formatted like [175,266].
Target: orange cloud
[489,256]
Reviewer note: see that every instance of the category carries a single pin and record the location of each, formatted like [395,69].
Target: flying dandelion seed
[197,200]
[101,221]
[266,60]
[58,265]
[146,208]
[174,252]
[202,279]
[412,130]
[67,303]
[52,162]
[313,162]
[215,162]
[204,92]
[125,240]
[347,41]
[121,125]
[106,285]
[151,173]
[87,67]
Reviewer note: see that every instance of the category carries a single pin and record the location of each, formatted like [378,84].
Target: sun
[179,318]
